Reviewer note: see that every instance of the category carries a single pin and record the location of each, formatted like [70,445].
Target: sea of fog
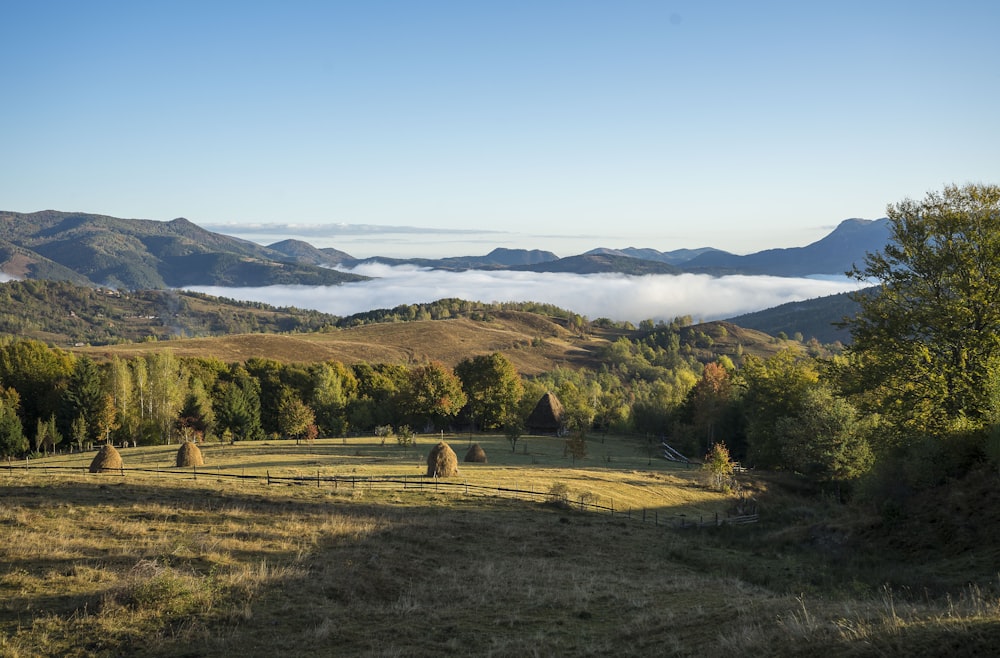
[616,296]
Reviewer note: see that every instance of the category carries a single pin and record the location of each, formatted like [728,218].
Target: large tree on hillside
[38,373]
[167,387]
[433,393]
[333,385]
[926,343]
[773,389]
[493,387]
[708,401]
[12,439]
[237,406]
[85,396]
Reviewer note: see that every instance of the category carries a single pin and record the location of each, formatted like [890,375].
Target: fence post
[317,478]
[194,472]
[268,478]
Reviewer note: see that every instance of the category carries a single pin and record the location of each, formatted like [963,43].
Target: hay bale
[442,462]
[476,454]
[106,460]
[189,455]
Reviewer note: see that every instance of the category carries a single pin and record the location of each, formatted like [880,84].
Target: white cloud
[615,296]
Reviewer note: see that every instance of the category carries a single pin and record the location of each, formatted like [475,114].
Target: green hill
[135,254]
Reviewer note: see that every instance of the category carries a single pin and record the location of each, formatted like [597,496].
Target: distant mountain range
[135,254]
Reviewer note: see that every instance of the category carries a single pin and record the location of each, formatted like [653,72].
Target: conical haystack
[106,460]
[547,415]
[476,454]
[442,462]
[189,455]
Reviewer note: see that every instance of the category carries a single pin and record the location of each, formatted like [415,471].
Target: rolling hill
[136,254]
[813,318]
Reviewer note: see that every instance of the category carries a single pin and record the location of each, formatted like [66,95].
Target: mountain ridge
[101,250]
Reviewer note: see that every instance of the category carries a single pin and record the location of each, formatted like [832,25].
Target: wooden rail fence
[415,483]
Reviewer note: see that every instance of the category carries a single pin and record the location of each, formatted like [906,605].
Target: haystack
[106,460]
[476,454]
[442,462]
[547,416]
[189,455]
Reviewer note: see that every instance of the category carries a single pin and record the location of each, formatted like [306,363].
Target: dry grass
[619,472]
[533,343]
[101,565]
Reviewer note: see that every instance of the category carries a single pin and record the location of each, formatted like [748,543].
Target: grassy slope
[532,342]
[448,341]
[105,565]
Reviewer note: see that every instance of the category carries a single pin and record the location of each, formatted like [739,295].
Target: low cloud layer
[282,231]
[614,296]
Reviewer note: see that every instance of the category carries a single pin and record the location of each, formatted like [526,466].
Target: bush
[718,463]
[559,493]
[404,436]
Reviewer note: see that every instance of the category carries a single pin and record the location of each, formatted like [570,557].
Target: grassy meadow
[174,563]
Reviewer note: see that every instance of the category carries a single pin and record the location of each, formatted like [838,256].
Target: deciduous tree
[434,393]
[493,387]
[773,388]
[295,417]
[927,338]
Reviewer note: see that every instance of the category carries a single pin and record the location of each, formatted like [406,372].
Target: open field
[157,565]
[620,473]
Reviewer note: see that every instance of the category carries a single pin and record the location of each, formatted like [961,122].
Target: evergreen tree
[12,439]
[237,406]
[85,396]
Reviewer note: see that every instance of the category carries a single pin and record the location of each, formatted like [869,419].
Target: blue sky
[559,125]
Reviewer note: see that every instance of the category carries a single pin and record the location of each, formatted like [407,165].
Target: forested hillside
[64,314]
[136,254]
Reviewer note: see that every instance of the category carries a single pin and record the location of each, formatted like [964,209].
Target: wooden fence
[416,483]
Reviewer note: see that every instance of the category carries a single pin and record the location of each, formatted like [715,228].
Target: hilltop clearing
[534,343]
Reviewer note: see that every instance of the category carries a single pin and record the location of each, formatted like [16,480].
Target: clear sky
[559,124]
